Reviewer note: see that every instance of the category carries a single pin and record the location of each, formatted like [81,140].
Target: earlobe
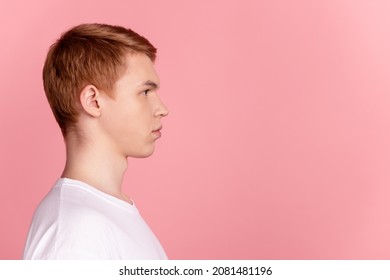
[89,99]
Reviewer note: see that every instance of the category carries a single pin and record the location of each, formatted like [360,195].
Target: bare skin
[111,129]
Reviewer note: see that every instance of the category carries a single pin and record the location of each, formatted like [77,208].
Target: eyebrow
[150,84]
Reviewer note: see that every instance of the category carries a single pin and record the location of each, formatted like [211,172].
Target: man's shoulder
[83,211]
[71,206]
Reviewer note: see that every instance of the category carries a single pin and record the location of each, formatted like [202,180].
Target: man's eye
[146,92]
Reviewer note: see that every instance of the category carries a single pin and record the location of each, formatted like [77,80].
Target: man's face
[132,119]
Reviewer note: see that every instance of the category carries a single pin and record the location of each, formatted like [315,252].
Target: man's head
[87,54]
[87,72]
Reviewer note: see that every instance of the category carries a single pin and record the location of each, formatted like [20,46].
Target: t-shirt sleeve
[72,255]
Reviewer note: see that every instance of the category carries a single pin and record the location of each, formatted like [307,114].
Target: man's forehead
[141,70]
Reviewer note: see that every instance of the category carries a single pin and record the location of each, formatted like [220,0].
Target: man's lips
[157,132]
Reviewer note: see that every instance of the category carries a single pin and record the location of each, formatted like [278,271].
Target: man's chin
[143,154]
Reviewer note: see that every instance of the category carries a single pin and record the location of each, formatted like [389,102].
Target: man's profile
[101,85]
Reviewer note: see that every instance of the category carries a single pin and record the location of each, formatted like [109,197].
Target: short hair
[87,54]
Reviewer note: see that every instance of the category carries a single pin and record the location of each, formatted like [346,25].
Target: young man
[101,85]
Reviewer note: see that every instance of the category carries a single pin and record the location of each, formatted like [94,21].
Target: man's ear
[89,99]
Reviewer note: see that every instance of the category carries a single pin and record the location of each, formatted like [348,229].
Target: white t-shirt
[77,221]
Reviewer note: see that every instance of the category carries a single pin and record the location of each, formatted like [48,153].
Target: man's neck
[97,165]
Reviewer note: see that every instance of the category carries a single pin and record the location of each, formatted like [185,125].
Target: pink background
[278,141]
